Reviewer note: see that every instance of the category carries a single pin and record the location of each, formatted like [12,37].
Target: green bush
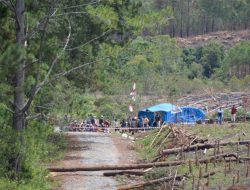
[37,144]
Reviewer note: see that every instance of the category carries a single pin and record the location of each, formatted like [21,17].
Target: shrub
[37,145]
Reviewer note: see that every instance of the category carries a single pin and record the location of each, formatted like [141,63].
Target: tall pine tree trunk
[19,115]
[188,18]
[213,23]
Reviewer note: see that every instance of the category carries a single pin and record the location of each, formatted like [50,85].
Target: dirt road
[93,148]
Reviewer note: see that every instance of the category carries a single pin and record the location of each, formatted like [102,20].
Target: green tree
[212,57]
[237,61]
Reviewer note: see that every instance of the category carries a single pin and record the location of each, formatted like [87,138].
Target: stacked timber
[211,102]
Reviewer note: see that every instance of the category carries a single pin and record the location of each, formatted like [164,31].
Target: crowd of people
[130,124]
[91,124]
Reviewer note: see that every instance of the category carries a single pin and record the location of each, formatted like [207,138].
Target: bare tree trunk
[204,24]
[213,23]
[207,24]
[181,29]
[188,18]
[19,115]
[173,22]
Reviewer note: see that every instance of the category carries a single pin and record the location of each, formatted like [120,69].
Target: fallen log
[157,158]
[150,182]
[244,159]
[206,175]
[139,166]
[116,167]
[124,172]
[202,146]
[217,156]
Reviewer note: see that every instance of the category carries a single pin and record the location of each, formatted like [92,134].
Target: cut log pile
[182,137]
[210,101]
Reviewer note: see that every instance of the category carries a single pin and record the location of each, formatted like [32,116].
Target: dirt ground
[90,148]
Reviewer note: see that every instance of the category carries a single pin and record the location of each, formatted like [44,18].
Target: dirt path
[93,148]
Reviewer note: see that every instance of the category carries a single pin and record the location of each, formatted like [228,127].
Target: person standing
[123,125]
[233,114]
[220,115]
[146,122]
[101,122]
[158,120]
[116,125]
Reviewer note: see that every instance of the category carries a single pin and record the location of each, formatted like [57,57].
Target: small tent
[166,110]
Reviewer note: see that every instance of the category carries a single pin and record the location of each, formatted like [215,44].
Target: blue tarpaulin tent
[164,109]
[172,114]
[189,115]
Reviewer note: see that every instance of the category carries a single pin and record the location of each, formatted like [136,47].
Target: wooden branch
[70,13]
[174,180]
[8,4]
[244,159]
[157,158]
[156,136]
[138,166]
[8,109]
[33,116]
[81,5]
[202,146]
[41,23]
[124,172]
[77,47]
[206,175]
[151,182]
[37,88]
[129,172]
[169,133]
[55,77]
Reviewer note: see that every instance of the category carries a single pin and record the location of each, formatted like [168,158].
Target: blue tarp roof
[160,107]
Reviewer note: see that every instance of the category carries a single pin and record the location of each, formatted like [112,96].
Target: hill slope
[227,38]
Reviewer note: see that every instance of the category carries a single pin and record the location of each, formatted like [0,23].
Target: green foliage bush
[36,145]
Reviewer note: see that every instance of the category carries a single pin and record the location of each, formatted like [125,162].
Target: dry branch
[151,182]
[124,172]
[156,137]
[206,175]
[202,146]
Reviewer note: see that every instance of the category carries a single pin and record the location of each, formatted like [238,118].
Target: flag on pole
[133,92]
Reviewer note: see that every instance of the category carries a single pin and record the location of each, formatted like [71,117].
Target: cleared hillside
[227,38]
